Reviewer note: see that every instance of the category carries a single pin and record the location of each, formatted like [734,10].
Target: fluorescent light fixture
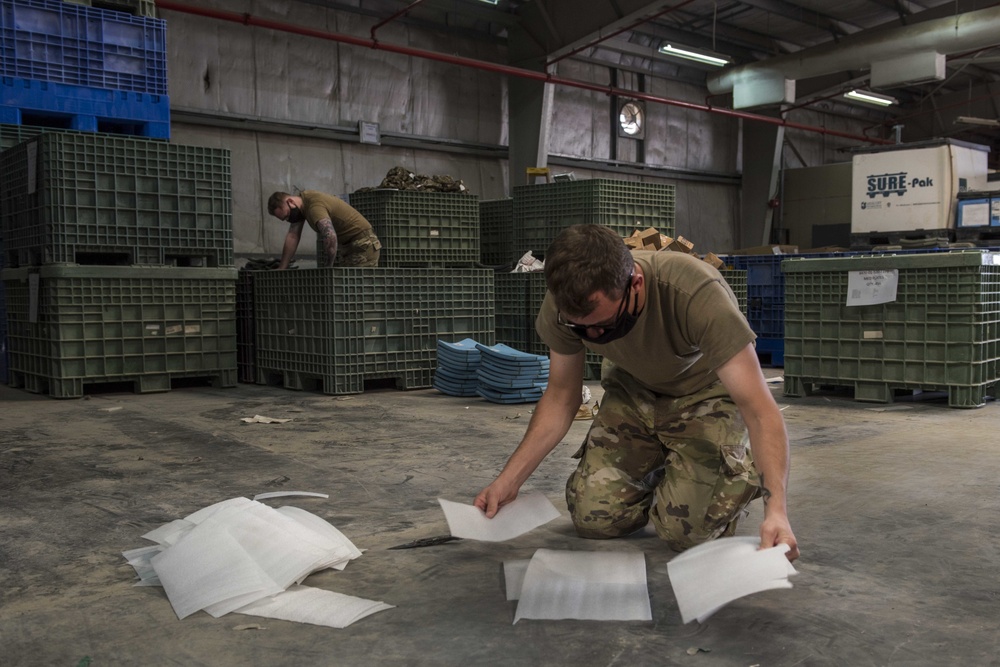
[870,98]
[490,2]
[687,54]
[972,120]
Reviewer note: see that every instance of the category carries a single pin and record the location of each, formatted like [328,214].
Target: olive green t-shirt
[689,326]
[348,223]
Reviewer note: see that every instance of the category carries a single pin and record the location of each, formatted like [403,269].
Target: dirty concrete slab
[893,510]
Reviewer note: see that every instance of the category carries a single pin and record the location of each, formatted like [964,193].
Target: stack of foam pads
[457,368]
[507,375]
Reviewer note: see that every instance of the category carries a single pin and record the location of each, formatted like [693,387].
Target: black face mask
[624,324]
[295,215]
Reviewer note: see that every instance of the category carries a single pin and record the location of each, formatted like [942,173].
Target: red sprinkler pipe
[250,20]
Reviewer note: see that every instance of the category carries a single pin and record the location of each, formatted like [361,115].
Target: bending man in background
[345,237]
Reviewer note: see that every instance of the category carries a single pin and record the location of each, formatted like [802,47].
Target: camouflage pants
[362,251]
[683,462]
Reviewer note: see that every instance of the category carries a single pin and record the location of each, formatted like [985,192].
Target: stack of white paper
[241,555]
[597,586]
[711,575]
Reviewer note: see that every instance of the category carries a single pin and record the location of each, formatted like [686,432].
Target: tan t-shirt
[348,223]
[690,325]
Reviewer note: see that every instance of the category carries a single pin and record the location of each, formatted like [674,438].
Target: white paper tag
[871,287]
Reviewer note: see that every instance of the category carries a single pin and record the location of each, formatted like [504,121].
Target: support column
[762,143]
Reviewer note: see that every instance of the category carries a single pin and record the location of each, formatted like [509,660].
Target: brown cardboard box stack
[651,239]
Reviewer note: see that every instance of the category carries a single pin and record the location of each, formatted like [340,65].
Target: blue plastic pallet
[60,105]
[51,40]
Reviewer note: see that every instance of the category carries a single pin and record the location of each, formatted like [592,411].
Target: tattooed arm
[768,441]
[328,240]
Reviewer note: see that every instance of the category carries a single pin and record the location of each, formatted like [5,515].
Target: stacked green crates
[942,331]
[335,328]
[496,232]
[85,198]
[542,211]
[422,229]
[71,326]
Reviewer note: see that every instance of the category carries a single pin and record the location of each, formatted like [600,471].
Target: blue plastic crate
[65,106]
[771,351]
[50,40]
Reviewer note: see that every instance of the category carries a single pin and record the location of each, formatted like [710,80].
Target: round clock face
[630,118]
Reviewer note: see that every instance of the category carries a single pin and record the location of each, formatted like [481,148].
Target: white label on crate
[871,334]
[871,287]
[435,232]
[192,328]
[153,329]
[174,329]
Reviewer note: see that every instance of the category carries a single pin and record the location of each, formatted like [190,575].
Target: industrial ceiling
[940,59]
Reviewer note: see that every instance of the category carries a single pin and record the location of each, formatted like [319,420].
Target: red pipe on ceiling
[250,20]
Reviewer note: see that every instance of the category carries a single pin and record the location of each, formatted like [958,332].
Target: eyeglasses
[582,329]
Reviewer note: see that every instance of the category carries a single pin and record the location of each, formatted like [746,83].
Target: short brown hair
[583,260]
[276,200]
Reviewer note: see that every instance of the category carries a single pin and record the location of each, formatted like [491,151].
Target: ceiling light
[971,120]
[870,98]
[490,2]
[687,54]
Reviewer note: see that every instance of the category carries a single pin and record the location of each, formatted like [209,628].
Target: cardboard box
[714,260]
[681,244]
[648,239]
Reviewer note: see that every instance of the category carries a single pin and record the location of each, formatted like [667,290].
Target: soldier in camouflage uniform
[346,236]
[688,432]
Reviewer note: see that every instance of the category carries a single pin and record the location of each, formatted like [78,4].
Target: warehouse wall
[252,74]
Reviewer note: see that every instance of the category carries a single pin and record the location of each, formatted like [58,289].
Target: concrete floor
[895,511]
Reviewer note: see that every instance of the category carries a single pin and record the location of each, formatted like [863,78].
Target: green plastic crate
[103,199]
[422,229]
[542,211]
[90,325]
[496,232]
[737,280]
[335,328]
[246,341]
[941,333]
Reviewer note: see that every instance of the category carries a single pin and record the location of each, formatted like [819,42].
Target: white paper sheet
[513,577]
[342,550]
[598,586]
[205,512]
[283,548]
[711,575]
[209,568]
[316,606]
[141,561]
[169,533]
[282,494]
[526,513]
